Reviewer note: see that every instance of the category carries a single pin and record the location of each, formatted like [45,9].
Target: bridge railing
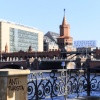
[70,83]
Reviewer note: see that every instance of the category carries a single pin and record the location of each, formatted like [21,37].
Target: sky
[46,15]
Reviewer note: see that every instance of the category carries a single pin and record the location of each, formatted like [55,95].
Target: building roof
[52,35]
[49,41]
[18,24]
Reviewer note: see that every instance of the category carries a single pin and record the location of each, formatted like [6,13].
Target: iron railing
[70,83]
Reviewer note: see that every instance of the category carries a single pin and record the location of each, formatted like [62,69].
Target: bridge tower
[65,41]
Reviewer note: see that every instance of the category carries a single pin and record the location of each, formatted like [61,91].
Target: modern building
[15,37]
[50,41]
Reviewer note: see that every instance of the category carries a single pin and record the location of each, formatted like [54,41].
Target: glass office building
[20,37]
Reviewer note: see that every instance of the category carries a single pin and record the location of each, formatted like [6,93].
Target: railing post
[88,81]
[36,91]
[66,84]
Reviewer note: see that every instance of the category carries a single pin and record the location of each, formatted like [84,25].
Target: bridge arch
[98,66]
[14,64]
[11,66]
[70,65]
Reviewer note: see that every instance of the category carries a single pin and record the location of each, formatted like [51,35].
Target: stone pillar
[13,84]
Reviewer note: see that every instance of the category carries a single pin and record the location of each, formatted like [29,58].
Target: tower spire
[64,12]
[64,19]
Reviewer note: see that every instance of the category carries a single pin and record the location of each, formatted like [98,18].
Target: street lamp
[30,65]
[21,67]
[86,51]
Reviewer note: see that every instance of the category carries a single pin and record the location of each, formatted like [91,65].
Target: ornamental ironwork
[67,83]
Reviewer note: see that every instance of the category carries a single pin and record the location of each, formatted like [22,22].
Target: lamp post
[30,65]
[86,50]
[35,54]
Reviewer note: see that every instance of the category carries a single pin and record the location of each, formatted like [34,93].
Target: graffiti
[14,84]
[16,88]
[14,81]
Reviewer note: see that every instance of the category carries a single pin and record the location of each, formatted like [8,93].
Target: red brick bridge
[21,58]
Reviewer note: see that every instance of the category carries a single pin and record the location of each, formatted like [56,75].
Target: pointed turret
[6,48]
[65,39]
[64,22]
[30,49]
[65,27]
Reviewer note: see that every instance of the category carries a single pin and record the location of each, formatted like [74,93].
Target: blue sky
[82,15]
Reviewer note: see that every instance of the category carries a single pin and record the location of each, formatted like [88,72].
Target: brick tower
[65,41]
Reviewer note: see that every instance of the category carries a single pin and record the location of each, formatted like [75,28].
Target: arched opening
[71,65]
[11,66]
[97,66]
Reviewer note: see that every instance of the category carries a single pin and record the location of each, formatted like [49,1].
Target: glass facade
[21,40]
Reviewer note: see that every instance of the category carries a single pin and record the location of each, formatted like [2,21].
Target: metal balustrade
[71,83]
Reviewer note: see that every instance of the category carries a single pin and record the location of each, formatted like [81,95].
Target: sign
[63,64]
[84,43]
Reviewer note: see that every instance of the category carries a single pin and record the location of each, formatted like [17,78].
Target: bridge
[47,64]
[14,64]
[49,54]
[40,60]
